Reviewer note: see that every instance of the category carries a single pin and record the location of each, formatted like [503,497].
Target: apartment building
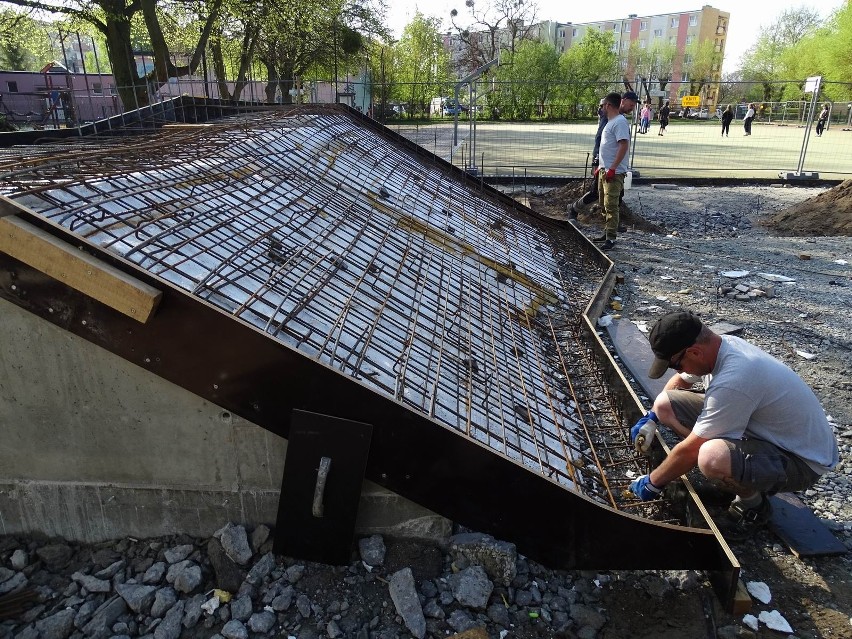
[641,33]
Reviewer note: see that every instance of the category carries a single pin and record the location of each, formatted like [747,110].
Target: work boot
[609,244]
[739,523]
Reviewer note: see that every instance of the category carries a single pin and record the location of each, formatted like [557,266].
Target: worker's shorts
[755,463]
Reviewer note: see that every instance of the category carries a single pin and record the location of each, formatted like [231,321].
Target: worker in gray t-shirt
[757,429]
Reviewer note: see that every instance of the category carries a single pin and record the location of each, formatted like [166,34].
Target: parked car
[700,114]
[451,107]
[393,111]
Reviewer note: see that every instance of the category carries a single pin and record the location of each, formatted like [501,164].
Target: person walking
[727,117]
[756,430]
[823,118]
[749,116]
[628,103]
[645,120]
[664,117]
[615,142]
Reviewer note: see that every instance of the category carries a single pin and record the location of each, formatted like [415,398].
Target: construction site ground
[683,245]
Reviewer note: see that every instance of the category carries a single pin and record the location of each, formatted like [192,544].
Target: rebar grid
[336,241]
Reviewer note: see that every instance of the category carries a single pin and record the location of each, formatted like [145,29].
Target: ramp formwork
[309,259]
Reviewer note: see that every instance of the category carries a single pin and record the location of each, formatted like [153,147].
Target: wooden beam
[77,269]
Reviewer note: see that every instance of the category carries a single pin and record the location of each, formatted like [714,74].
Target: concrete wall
[95,448]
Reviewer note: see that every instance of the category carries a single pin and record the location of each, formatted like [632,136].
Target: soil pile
[556,203]
[827,214]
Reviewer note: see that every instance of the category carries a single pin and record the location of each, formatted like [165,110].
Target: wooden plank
[800,529]
[741,603]
[80,271]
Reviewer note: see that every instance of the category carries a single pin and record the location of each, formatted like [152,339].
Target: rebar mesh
[337,241]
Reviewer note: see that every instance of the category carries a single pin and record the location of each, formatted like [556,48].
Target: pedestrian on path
[727,116]
[749,116]
[646,118]
[823,118]
[664,117]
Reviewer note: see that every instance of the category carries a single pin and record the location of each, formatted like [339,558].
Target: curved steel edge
[236,366]
[725,576]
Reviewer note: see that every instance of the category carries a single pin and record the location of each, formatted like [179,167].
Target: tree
[24,43]
[703,67]
[532,73]
[422,62]
[763,62]
[585,67]
[825,52]
[491,28]
[656,64]
[113,18]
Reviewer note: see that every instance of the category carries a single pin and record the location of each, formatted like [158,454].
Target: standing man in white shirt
[615,142]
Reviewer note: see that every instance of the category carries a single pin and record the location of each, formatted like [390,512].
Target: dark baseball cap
[629,95]
[673,332]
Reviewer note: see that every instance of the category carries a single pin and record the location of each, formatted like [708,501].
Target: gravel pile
[232,586]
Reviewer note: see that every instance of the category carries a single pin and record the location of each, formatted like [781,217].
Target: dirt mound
[829,213]
[556,203]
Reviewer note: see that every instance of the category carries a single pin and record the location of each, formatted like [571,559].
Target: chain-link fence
[499,129]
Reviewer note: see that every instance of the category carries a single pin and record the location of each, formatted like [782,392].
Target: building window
[12,87]
[642,44]
[643,26]
[689,39]
[97,88]
[658,33]
[675,22]
[627,27]
[693,21]
[574,33]
[562,33]
[673,40]
[687,59]
[684,77]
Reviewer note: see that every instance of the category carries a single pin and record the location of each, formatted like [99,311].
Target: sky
[746,17]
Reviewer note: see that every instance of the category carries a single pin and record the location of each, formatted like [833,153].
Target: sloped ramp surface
[310,259]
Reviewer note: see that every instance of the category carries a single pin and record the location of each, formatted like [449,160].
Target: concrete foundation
[95,448]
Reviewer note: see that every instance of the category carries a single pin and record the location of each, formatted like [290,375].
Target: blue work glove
[642,433]
[644,489]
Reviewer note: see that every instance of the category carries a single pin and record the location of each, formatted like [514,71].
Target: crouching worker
[757,429]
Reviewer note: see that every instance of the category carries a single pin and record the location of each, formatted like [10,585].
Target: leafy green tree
[825,52]
[703,67]
[586,67]
[763,63]
[423,65]
[24,42]
[114,19]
